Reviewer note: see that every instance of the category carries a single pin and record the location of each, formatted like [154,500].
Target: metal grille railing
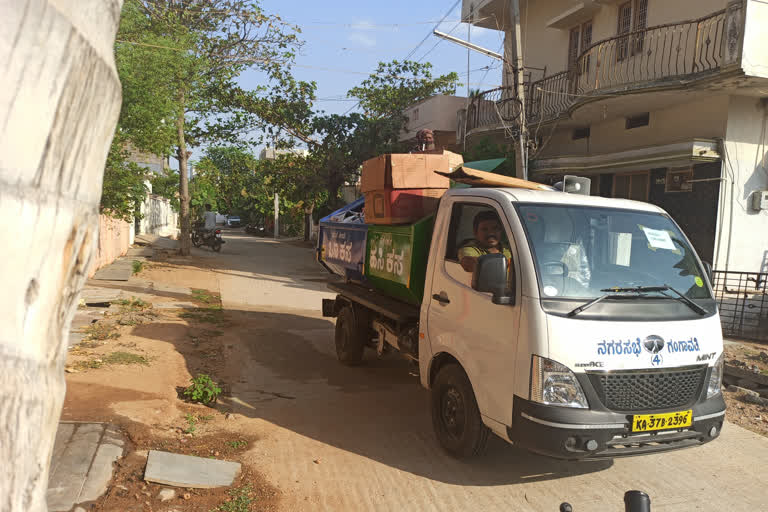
[742,298]
[630,61]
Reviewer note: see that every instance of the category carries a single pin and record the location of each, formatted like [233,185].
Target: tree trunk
[185,242]
[59,103]
[308,222]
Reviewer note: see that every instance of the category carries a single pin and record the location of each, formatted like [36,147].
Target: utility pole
[521,155]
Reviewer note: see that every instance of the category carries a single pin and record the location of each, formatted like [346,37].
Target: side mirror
[708,270]
[490,276]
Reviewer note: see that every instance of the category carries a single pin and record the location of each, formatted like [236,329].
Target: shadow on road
[281,367]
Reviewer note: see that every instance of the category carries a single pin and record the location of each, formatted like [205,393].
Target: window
[476,230]
[637,121]
[579,251]
[580,133]
[579,39]
[679,180]
[631,186]
[633,16]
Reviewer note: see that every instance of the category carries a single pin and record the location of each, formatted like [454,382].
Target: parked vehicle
[233,221]
[210,238]
[592,332]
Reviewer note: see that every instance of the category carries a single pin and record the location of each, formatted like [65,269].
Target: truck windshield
[580,251]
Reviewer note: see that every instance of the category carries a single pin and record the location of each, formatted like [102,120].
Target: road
[351,439]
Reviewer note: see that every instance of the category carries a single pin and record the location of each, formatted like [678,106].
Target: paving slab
[188,471]
[140,252]
[119,270]
[81,464]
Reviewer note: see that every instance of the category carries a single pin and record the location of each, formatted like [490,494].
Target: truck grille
[647,390]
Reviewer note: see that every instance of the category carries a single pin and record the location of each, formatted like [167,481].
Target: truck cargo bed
[377,301]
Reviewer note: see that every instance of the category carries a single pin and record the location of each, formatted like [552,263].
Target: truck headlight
[715,378]
[554,384]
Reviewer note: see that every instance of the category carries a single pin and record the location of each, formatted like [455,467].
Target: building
[439,114]
[270,153]
[655,100]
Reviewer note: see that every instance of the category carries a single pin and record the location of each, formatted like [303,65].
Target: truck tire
[350,337]
[455,415]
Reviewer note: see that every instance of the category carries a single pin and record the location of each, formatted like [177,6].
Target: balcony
[661,57]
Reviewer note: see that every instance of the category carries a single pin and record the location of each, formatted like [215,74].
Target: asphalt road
[353,439]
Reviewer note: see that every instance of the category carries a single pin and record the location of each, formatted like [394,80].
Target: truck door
[467,324]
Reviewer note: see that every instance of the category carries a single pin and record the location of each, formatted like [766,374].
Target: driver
[489,236]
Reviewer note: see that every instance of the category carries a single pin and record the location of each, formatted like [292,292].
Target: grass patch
[205,315]
[125,358]
[240,500]
[133,304]
[138,266]
[90,364]
[237,444]
[205,296]
[101,331]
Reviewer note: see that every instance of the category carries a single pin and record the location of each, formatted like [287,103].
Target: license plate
[669,420]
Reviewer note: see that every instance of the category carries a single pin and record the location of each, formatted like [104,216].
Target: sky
[344,40]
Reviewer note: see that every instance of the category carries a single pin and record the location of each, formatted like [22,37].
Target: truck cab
[577,327]
[575,342]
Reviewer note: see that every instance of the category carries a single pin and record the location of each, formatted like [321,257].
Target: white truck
[590,331]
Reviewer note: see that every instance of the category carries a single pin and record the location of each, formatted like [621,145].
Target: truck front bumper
[567,433]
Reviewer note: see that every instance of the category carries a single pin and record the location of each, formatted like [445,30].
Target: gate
[742,298]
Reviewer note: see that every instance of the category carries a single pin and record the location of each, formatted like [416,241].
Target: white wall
[754,57]
[698,119]
[742,238]
[435,113]
[158,217]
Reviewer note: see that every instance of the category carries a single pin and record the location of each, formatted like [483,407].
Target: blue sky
[346,39]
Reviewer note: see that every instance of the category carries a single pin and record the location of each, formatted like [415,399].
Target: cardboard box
[408,170]
[390,206]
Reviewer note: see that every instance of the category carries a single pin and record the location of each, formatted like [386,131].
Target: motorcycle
[211,238]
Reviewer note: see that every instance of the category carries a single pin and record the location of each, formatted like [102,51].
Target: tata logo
[653,344]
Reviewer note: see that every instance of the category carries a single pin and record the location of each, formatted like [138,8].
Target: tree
[212,43]
[167,185]
[59,109]
[123,189]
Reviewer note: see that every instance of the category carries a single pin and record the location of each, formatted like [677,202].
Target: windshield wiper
[685,300]
[639,290]
[594,301]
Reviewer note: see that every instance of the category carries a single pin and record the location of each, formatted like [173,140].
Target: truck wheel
[350,337]
[455,415]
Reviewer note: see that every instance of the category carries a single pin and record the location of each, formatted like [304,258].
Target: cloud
[362,39]
[363,25]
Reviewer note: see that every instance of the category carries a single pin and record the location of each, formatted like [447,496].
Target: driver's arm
[468,258]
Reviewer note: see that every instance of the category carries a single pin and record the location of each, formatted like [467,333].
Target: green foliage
[240,500]
[237,444]
[202,390]
[138,266]
[167,185]
[396,85]
[191,424]
[123,188]
[487,149]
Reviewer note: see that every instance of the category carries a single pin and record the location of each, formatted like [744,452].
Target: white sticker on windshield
[550,291]
[659,239]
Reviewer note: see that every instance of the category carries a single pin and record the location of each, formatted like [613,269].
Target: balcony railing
[628,62]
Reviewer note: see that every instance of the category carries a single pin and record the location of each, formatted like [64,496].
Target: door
[467,324]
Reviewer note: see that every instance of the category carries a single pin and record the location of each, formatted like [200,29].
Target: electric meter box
[760,200]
